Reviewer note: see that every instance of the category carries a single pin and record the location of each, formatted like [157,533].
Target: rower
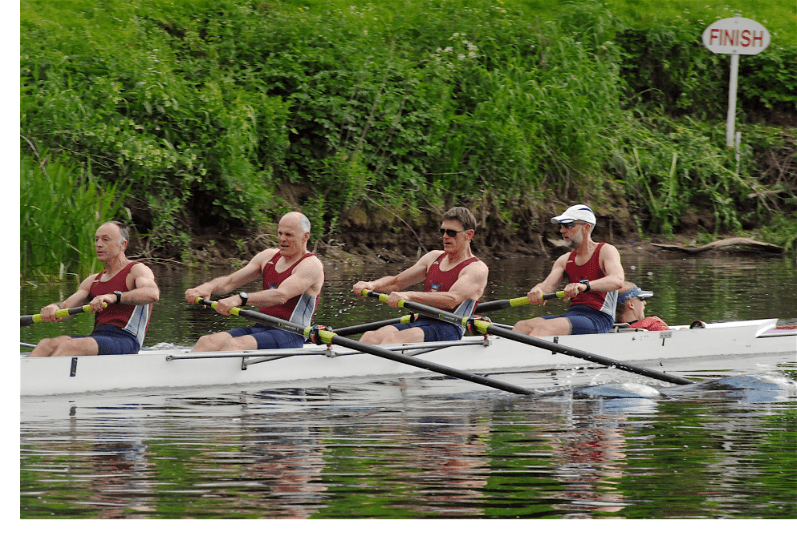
[595,274]
[292,280]
[121,296]
[454,281]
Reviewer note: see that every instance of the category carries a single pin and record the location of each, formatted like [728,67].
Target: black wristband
[585,282]
[118,297]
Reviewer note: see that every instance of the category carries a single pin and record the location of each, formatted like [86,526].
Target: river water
[427,446]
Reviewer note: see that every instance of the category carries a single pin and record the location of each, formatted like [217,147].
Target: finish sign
[735,36]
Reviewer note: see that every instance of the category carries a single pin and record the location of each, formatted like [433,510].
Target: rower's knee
[211,343]
[523,326]
[371,337]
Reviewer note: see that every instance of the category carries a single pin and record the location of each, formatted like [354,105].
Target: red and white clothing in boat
[298,310]
[124,323]
[442,281]
[650,323]
[589,312]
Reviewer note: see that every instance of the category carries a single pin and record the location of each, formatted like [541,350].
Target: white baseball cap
[579,212]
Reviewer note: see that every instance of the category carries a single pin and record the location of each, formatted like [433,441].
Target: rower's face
[573,235]
[639,307]
[459,241]
[291,238]
[108,242]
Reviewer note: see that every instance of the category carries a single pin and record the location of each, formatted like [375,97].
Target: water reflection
[393,451]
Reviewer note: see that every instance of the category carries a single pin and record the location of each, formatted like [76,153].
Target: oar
[499,304]
[481,308]
[319,335]
[370,326]
[29,319]
[484,326]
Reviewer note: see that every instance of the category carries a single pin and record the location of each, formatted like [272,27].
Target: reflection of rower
[633,300]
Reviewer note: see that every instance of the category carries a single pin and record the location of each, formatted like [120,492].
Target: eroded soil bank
[381,237]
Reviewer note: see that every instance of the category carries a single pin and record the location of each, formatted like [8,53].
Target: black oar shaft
[329,337]
[500,304]
[370,326]
[487,327]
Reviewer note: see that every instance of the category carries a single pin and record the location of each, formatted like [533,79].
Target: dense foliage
[210,111]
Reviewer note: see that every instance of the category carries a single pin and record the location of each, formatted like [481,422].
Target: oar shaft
[500,304]
[29,319]
[370,326]
[329,337]
[487,327]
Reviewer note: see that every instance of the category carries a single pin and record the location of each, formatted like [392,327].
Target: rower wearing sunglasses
[595,275]
[454,281]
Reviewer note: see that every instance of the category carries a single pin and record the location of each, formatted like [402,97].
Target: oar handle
[60,313]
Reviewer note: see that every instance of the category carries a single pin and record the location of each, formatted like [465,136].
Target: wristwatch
[585,282]
[244,298]
[118,297]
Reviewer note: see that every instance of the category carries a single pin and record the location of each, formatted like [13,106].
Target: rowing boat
[164,367]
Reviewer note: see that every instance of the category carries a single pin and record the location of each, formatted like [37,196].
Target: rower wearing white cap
[595,274]
[633,300]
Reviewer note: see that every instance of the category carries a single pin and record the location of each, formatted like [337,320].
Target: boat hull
[181,368]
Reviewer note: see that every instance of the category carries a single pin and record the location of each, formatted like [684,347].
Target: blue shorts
[585,320]
[268,337]
[112,340]
[434,330]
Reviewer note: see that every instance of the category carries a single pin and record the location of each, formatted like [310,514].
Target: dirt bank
[379,237]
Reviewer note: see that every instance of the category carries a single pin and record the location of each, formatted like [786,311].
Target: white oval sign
[736,35]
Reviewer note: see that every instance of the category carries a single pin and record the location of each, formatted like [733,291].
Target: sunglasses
[450,233]
[569,225]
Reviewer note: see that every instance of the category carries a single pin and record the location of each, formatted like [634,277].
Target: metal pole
[729,132]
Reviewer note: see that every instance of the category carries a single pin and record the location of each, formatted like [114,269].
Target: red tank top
[288,310]
[442,281]
[590,271]
[131,318]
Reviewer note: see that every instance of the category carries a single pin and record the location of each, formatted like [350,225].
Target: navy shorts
[434,330]
[268,337]
[585,320]
[113,340]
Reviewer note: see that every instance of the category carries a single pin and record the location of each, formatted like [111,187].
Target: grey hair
[304,222]
[122,231]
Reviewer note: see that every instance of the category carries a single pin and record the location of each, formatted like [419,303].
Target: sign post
[735,36]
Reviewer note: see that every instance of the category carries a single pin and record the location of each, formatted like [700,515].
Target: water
[427,446]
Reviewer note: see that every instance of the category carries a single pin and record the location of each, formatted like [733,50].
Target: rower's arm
[392,283]
[551,282]
[226,284]
[614,275]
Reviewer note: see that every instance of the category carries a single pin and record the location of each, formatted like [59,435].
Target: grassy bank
[224,114]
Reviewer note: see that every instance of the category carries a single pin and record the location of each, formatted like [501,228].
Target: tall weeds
[61,207]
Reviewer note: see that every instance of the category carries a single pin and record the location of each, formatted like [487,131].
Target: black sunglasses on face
[450,233]
[569,225]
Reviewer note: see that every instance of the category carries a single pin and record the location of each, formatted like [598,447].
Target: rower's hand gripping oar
[473,325]
[320,335]
[29,319]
